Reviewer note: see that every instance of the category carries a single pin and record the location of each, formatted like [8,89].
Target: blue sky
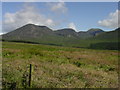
[80,16]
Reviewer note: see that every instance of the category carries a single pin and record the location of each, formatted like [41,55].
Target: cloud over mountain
[28,14]
[72,25]
[111,21]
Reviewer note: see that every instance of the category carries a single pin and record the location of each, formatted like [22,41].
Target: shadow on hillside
[99,46]
[31,42]
[106,46]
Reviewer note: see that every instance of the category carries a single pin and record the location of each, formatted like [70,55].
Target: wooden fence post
[30,75]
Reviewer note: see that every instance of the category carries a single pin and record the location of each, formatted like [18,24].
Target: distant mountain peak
[118,29]
[94,29]
[68,32]
[29,24]
[35,25]
[43,34]
[67,29]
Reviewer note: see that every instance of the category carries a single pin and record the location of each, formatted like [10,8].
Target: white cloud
[1,33]
[111,21]
[28,14]
[58,7]
[72,25]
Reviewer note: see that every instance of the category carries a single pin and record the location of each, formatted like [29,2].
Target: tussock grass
[59,67]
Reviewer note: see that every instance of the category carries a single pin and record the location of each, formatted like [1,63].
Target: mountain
[90,33]
[67,32]
[28,31]
[109,36]
[106,40]
[31,33]
[95,31]
[62,37]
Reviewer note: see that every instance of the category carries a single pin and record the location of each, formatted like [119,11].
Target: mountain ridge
[62,37]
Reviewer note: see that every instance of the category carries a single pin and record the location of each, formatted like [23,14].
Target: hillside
[67,32]
[112,35]
[32,33]
[90,33]
[27,32]
[62,37]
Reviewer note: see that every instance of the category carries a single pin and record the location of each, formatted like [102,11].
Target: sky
[80,16]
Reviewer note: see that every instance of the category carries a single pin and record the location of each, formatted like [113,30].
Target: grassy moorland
[59,67]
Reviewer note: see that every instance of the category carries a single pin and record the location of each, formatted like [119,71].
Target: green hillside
[93,38]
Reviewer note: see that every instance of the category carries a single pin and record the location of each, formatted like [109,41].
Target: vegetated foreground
[58,67]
